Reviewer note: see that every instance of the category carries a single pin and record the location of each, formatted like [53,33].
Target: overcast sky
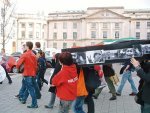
[30,6]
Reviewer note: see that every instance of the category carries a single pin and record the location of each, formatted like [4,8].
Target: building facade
[81,28]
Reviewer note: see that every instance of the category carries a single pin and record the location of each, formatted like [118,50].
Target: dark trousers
[90,103]
[7,75]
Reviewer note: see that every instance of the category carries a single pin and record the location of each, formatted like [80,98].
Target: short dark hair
[29,44]
[37,44]
[66,58]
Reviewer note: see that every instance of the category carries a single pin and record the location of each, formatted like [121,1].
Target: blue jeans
[30,89]
[145,108]
[22,90]
[78,105]
[127,76]
[64,106]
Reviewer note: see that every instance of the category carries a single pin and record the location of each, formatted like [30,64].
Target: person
[37,47]
[66,82]
[98,57]
[108,72]
[144,73]
[81,93]
[41,69]
[30,67]
[127,76]
[57,67]
[3,64]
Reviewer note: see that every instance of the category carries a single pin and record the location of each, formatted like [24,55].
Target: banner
[113,53]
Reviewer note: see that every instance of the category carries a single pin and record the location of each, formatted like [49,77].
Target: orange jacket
[30,63]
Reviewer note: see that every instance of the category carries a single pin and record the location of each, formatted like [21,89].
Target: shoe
[10,82]
[132,94]
[23,102]
[1,82]
[17,96]
[50,107]
[102,86]
[95,97]
[109,92]
[113,98]
[36,106]
[118,94]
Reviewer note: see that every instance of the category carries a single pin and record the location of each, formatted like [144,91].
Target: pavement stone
[9,104]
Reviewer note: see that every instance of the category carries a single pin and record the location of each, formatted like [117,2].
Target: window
[55,25]
[23,25]
[30,34]
[37,34]
[43,35]
[44,26]
[105,25]
[64,25]
[138,35]
[64,45]
[117,34]
[64,35]
[148,35]
[93,25]
[55,45]
[148,25]
[30,25]
[93,34]
[55,35]
[116,25]
[137,25]
[23,34]
[92,43]
[104,34]
[74,35]
[74,25]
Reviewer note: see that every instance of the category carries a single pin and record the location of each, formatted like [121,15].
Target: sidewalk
[8,104]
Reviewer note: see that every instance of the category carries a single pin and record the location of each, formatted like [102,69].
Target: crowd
[75,85]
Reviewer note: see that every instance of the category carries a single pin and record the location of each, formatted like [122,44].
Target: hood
[71,69]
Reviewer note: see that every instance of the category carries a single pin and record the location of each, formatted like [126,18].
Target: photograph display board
[112,53]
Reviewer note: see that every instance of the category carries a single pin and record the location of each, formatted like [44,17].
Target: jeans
[78,105]
[145,108]
[64,106]
[127,76]
[22,90]
[52,100]
[30,89]
[37,90]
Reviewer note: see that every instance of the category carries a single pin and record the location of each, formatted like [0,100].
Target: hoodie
[66,83]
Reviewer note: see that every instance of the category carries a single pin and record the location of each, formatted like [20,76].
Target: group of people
[75,85]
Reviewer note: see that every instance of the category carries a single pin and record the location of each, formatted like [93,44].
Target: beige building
[31,28]
[90,27]
[81,28]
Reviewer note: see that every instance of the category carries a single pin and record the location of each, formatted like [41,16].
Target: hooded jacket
[66,83]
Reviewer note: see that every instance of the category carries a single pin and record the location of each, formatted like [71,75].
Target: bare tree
[7,9]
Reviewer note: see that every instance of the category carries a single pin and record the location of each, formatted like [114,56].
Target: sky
[32,6]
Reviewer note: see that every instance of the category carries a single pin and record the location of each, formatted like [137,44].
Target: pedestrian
[144,73]
[127,76]
[66,82]
[57,67]
[41,69]
[108,72]
[30,67]
[3,64]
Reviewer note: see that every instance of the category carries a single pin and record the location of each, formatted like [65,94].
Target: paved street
[8,104]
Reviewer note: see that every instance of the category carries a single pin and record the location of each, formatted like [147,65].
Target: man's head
[65,58]
[37,45]
[29,45]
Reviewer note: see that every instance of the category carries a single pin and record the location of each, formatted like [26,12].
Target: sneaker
[16,96]
[49,107]
[23,102]
[113,98]
[36,106]
[118,94]
[132,94]
[95,97]
[10,82]
[102,86]
[1,82]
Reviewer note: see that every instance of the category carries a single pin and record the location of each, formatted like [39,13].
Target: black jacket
[108,71]
[145,75]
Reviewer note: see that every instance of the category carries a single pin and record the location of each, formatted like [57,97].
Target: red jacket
[30,63]
[66,82]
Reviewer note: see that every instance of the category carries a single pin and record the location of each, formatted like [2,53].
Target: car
[16,54]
